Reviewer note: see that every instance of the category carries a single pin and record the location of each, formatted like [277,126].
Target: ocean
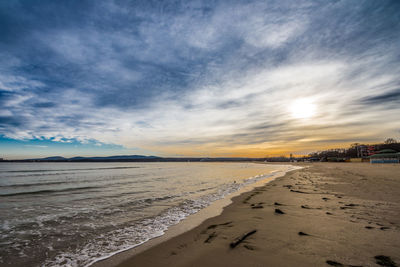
[74,214]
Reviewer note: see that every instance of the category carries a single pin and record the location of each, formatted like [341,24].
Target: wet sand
[329,214]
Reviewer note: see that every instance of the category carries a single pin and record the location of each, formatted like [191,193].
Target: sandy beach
[327,214]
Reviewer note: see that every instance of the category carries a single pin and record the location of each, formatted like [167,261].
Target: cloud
[198,73]
[44,105]
[274,34]
[386,98]
[10,121]
[17,83]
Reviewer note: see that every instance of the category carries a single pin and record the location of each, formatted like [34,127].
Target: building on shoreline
[385,156]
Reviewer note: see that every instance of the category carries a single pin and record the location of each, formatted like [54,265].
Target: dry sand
[335,214]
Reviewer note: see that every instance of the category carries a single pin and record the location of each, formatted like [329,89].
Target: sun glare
[302,108]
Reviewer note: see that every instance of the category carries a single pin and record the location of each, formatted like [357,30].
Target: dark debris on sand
[385,261]
[303,234]
[241,238]
[298,191]
[278,211]
[338,264]
[333,263]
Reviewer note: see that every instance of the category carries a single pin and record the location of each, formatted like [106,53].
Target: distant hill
[55,158]
[141,158]
[126,157]
[110,158]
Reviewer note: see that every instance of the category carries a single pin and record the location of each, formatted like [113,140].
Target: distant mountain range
[135,158]
[110,158]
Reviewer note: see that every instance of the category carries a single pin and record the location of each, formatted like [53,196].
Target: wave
[85,169]
[46,183]
[121,214]
[49,191]
[36,174]
[33,184]
[140,231]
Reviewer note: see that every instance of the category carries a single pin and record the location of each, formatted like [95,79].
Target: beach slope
[327,214]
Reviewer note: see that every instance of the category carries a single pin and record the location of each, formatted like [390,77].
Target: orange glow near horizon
[250,151]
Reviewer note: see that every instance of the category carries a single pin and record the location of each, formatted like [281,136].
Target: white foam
[118,240]
[100,234]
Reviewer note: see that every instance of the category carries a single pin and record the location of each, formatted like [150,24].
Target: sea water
[73,214]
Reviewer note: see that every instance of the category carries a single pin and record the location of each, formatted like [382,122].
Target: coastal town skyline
[200,79]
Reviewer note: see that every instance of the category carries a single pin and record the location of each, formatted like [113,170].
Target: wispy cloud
[385,98]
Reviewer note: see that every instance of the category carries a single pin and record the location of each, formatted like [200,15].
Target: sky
[196,78]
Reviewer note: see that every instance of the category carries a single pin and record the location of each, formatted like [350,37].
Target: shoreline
[190,222]
[334,214]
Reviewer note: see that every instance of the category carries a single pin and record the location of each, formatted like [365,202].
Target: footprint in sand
[308,207]
[249,197]
[212,226]
[249,247]
[214,233]
[257,206]
[210,237]
[352,205]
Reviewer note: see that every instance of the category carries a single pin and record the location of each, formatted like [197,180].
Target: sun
[302,108]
